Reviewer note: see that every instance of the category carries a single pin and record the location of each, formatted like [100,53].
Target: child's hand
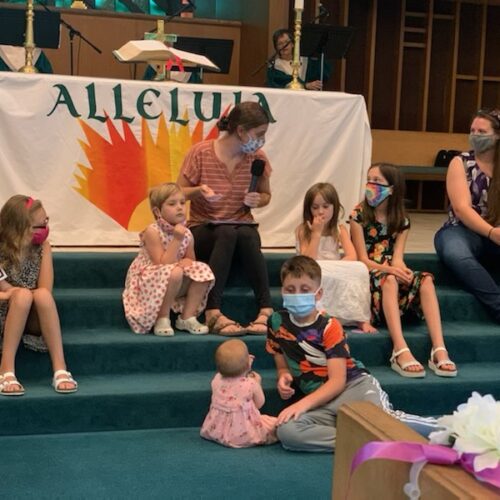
[209,194]
[5,295]
[185,263]
[318,224]
[252,200]
[293,411]
[403,274]
[179,231]
[285,389]
[255,376]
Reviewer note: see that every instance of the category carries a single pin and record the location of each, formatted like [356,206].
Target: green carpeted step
[102,307]
[156,464]
[142,401]
[118,350]
[434,395]
[108,269]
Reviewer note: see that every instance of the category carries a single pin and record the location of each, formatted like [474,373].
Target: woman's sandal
[60,377]
[4,383]
[257,323]
[220,329]
[402,369]
[435,366]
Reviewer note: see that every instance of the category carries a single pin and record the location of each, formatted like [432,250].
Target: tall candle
[299,4]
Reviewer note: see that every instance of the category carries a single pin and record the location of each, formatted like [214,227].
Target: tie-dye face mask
[376,193]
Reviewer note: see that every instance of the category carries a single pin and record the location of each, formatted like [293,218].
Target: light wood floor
[420,239]
[422,231]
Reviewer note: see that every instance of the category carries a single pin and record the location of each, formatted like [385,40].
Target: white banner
[91,148]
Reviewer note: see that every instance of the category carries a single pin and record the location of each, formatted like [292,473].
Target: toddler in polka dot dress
[165,275]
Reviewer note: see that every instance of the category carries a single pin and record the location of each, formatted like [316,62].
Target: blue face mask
[252,145]
[300,304]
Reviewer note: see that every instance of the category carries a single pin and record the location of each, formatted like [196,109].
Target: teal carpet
[162,464]
[132,428]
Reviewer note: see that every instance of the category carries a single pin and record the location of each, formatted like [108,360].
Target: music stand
[325,41]
[218,50]
[46,28]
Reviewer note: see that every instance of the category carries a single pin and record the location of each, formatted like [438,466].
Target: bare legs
[390,306]
[430,308]
[41,302]
[194,291]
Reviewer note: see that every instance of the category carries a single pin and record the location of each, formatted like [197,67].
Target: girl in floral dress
[234,418]
[379,229]
[165,275]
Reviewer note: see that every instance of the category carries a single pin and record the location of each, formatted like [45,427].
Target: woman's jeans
[468,255]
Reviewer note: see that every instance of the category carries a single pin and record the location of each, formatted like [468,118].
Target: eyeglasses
[43,225]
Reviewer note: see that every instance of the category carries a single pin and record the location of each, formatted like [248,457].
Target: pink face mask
[40,235]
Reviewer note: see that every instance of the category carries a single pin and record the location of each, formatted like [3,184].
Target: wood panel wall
[110,30]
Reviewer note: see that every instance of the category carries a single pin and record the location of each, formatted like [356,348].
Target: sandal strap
[434,350]
[9,383]
[213,320]
[395,354]
[408,364]
[61,376]
[439,364]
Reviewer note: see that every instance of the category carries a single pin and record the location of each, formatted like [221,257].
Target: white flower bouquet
[473,431]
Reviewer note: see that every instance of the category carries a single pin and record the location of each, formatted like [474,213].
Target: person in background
[469,241]
[13,58]
[279,71]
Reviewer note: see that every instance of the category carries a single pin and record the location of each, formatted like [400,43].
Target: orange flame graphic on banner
[122,170]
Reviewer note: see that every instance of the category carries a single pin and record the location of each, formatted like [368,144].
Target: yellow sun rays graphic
[122,170]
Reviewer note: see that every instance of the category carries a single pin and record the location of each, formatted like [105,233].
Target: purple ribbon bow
[404,451]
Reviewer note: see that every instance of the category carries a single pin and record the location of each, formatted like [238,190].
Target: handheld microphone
[257,170]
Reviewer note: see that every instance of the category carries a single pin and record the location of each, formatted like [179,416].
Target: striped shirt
[201,166]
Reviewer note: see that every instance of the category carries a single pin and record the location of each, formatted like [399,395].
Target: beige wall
[413,148]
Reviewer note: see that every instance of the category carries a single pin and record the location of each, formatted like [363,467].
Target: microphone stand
[72,32]
[177,13]
[271,59]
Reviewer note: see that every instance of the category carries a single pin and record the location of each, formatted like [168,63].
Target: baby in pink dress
[234,418]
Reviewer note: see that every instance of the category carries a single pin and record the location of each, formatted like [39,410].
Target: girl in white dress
[345,283]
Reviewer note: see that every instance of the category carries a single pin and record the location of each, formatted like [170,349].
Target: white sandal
[163,328]
[402,369]
[60,377]
[436,366]
[191,325]
[7,383]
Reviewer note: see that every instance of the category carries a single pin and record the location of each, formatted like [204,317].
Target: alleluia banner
[92,148]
